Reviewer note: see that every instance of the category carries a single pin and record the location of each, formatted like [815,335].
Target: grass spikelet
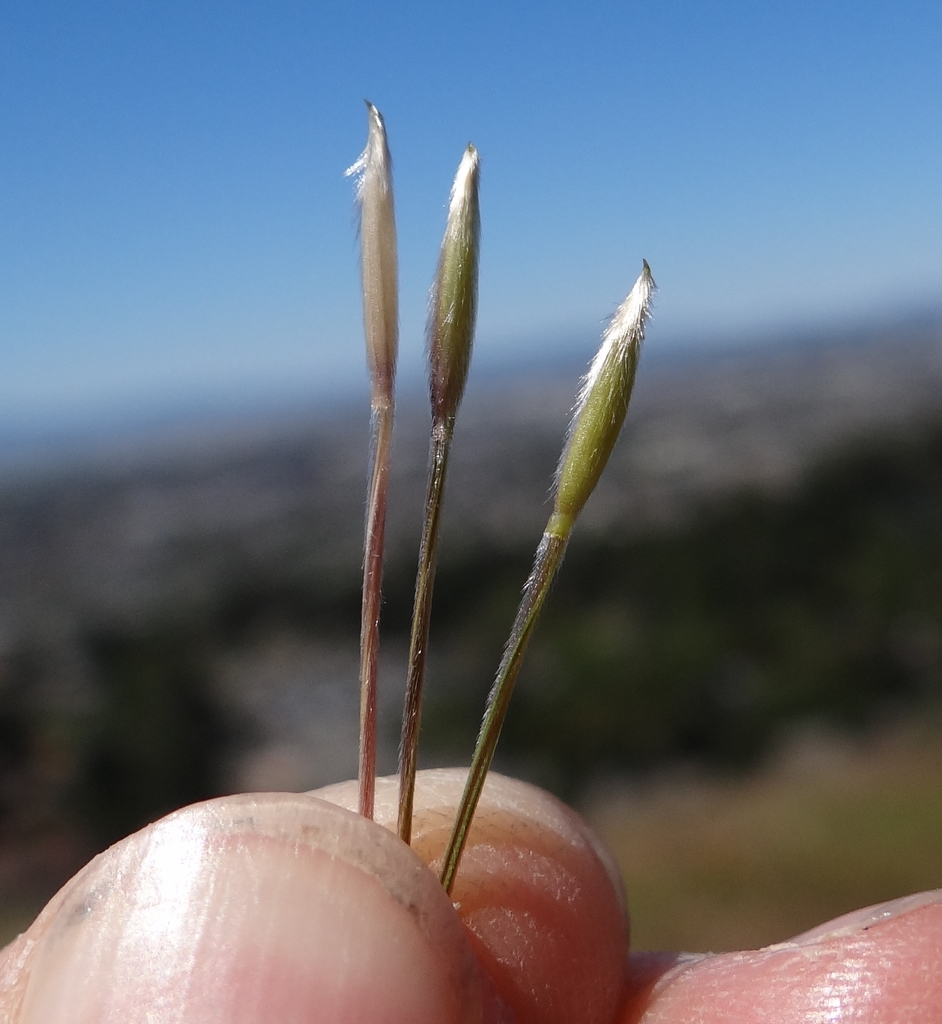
[452,315]
[380,286]
[597,420]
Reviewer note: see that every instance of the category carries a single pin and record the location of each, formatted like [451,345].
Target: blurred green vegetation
[706,640]
[152,737]
[721,863]
[701,641]
[156,739]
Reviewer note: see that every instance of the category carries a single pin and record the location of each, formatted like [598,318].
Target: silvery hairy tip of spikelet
[602,403]
[453,303]
[378,261]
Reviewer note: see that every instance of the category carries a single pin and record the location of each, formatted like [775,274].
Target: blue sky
[175,226]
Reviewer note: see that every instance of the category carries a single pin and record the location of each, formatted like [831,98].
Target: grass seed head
[602,404]
[378,261]
[453,305]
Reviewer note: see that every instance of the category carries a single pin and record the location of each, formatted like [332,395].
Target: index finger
[880,965]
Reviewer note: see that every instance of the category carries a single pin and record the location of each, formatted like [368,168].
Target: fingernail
[862,920]
[254,909]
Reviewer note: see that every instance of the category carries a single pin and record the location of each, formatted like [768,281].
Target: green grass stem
[418,642]
[452,316]
[549,557]
[597,421]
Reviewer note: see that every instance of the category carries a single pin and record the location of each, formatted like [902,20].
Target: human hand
[289,909]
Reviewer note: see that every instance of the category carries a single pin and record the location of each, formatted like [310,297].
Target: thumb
[244,910]
[539,896]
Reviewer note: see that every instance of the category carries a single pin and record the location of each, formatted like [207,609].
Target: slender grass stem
[452,315]
[549,557]
[597,421]
[380,286]
[439,447]
[373,544]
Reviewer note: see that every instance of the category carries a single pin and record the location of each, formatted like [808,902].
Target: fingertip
[882,968]
[252,909]
[539,900]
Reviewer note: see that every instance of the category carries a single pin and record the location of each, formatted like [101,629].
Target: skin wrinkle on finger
[542,908]
[885,972]
[251,909]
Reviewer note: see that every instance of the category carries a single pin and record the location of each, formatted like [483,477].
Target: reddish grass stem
[373,544]
[379,273]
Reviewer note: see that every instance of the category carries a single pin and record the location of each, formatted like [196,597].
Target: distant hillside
[182,622]
[118,537]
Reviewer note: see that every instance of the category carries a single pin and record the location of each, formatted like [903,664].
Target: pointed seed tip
[376,118]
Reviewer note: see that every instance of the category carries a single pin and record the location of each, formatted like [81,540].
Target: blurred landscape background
[738,678]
